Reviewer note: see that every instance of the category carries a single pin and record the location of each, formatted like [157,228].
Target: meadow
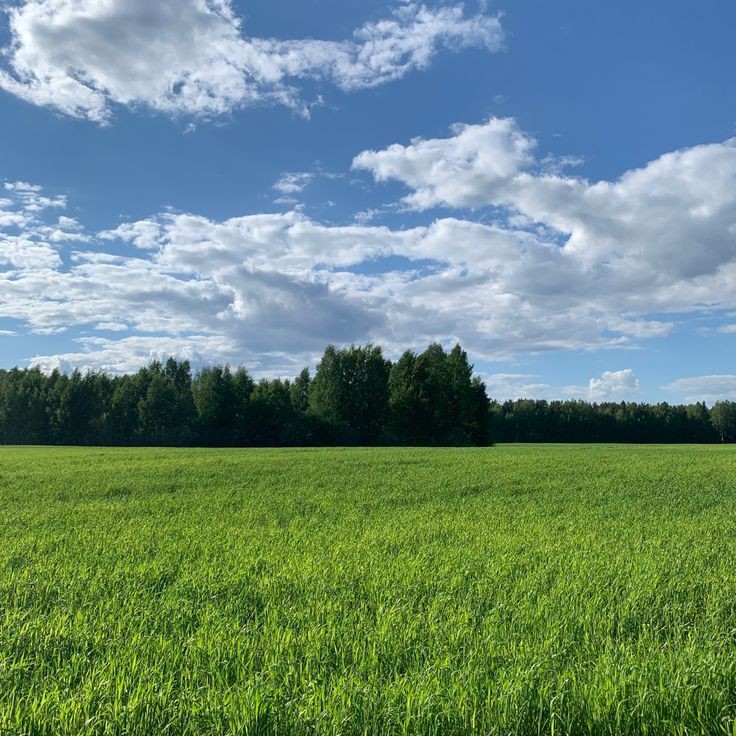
[509,590]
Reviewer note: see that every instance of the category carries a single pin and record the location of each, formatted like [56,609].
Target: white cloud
[111,327]
[511,386]
[128,354]
[285,284]
[11,219]
[190,57]
[21,186]
[30,246]
[610,386]
[672,220]
[68,223]
[288,284]
[22,253]
[144,234]
[291,182]
[365,216]
[704,388]
[470,169]
[27,198]
[288,201]
[614,386]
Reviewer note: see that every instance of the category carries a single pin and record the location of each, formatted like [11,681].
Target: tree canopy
[356,396]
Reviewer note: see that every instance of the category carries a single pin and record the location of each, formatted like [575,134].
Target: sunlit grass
[512,590]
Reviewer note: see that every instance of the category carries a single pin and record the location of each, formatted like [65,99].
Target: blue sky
[552,184]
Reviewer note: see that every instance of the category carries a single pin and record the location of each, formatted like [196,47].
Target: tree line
[356,397]
[527,420]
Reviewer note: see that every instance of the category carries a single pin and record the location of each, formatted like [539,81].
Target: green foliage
[434,399]
[216,404]
[299,391]
[723,417]
[519,590]
[527,420]
[350,391]
[272,413]
[356,397]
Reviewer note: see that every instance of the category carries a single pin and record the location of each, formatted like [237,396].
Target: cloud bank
[567,265]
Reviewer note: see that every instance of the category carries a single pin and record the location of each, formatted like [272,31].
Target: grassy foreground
[514,590]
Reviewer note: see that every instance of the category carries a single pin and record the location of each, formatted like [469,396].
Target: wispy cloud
[704,388]
[191,57]
[292,182]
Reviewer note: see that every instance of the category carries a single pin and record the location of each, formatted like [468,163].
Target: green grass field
[512,590]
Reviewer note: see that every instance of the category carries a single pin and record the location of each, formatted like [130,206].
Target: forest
[356,397]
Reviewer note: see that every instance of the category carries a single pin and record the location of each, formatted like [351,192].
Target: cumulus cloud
[471,168]
[704,388]
[614,386]
[191,57]
[673,220]
[600,270]
[28,199]
[287,284]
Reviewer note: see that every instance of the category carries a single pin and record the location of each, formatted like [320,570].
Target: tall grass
[517,590]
